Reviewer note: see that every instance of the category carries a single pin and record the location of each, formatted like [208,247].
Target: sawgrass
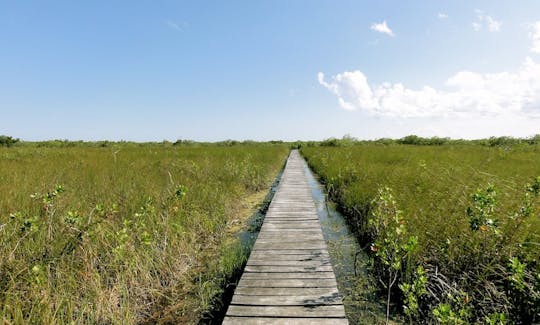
[123,233]
[485,274]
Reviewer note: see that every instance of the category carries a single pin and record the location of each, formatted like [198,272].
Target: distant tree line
[424,141]
[6,141]
[347,140]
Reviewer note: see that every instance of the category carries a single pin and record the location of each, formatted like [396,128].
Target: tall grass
[457,226]
[122,234]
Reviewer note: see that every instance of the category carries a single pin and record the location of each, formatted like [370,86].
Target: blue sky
[262,70]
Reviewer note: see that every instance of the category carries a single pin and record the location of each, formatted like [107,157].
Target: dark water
[363,303]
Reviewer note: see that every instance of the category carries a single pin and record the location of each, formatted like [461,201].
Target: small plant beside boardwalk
[123,234]
[453,229]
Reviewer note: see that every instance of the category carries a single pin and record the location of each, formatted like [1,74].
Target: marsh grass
[477,256]
[122,234]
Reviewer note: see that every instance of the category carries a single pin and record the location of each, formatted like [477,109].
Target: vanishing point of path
[288,278]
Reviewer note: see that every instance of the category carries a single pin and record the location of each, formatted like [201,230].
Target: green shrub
[7,141]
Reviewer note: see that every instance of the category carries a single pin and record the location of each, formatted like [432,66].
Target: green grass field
[124,234]
[454,230]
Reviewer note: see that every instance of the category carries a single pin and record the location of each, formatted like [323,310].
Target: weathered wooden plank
[274,209]
[287,311]
[271,205]
[291,239]
[287,246]
[248,291]
[287,275]
[301,299]
[300,238]
[281,262]
[293,218]
[288,233]
[292,196]
[276,220]
[260,255]
[318,251]
[232,320]
[292,224]
[298,264]
[285,232]
[293,206]
[287,216]
[278,268]
[288,283]
[290,257]
[281,227]
[288,227]
[300,243]
[285,226]
[285,239]
[272,262]
[293,229]
[282,211]
[288,261]
[276,237]
[290,212]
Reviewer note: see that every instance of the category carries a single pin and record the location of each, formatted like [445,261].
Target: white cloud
[382,28]
[484,21]
[176,26]
[442,15]
[492,24]
[535,36]
[467,94]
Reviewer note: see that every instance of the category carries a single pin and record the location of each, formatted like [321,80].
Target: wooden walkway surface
[288,278]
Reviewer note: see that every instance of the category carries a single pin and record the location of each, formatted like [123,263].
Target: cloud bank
[442,15]
[382,28]
[467,94]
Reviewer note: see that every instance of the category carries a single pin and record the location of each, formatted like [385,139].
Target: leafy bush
[416,140]
[7,141]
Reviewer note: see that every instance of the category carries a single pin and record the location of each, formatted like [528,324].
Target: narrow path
[288,278]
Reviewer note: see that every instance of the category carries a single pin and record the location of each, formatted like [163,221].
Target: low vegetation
[110,233]
[453,228]
[122,232]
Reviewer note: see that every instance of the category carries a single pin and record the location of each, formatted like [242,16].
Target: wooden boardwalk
[288,278]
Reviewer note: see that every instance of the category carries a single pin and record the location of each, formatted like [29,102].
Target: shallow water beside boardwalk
[363,303]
